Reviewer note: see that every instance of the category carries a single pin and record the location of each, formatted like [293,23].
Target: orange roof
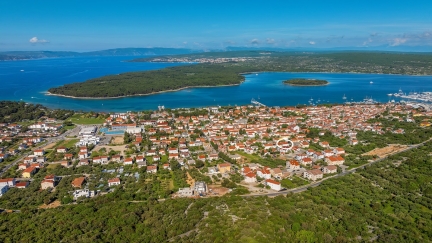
[78,182]
[272,181]
[114,180]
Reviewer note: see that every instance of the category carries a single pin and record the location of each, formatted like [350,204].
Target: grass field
[52,166]
[164,159]
[70,143]
[80,119]
[250,157]
[69,127]
[294,182]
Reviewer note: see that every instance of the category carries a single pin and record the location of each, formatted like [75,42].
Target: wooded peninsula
[226,68]
[305,82]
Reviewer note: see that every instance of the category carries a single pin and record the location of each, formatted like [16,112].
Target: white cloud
[367,42]
[270,41]
[312,42]
[398,41]
[254,41]
[36,40]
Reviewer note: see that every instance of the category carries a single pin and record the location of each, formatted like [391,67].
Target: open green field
[294,182]
[69,127]
[70,143]
[250,157]
[164,159]
[80,119]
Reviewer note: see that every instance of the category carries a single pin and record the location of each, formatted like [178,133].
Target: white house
[313,174]
[114,182]
[330,169]
[10,182]
[250,177]
[274,185]
[83,193]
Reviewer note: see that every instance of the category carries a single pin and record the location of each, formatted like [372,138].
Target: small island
[305,82]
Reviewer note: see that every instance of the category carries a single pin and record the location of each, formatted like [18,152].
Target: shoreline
[305,85]
[135,95]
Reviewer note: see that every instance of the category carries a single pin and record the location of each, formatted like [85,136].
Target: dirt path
[51,205]
[49,146]
[383,152]
[190,180]
[121,148]
[118,140]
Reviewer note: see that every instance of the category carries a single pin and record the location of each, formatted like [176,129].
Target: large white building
[88,131]
[83,193]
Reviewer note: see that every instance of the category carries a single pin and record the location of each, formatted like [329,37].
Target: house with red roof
[274,185]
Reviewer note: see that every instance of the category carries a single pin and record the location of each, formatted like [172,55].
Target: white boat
[390,94]
[371,82]
[22,70]
[344,97]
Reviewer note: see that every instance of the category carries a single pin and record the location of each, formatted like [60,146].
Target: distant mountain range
[22,55]
[159,51]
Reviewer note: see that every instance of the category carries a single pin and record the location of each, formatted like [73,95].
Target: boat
[390,94]
[22,70]
[371,82]
[344,97]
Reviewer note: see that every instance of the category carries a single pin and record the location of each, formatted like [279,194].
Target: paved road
[317,183]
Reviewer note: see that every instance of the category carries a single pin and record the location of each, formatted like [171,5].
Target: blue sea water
[28,81]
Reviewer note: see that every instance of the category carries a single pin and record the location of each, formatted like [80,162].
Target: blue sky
[94,25]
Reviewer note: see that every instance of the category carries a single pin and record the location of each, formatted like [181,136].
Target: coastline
[153,93]
[305,85]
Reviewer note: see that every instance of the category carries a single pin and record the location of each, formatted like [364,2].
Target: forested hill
[14,111]
[21,55]
[223,68]
[389,201]
[139,83]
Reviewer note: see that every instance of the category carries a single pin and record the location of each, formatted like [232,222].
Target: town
[207,152]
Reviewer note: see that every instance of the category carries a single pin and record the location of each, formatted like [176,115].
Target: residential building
[224,167]
[274,185]
[185,192]
[313,174]
[83,193]
[200,187]
[78,182]
[10,182]
[330,169]
[114,182]
[29,172]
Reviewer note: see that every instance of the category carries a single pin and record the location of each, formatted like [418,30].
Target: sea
[29,80]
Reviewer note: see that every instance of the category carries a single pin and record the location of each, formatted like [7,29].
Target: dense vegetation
[389,201]
[216,74]
[138,83]
[12,111]
[305,82]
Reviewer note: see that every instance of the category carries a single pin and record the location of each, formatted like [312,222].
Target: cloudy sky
[94,25]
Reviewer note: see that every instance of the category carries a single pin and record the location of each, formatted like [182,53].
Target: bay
[28,81]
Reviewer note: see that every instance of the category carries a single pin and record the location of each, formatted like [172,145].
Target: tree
[199,164]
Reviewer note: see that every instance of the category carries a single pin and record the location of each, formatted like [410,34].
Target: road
[317,183]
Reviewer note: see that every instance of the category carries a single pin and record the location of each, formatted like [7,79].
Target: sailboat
[344,97]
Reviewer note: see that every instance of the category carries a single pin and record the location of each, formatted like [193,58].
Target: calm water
[38,76]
